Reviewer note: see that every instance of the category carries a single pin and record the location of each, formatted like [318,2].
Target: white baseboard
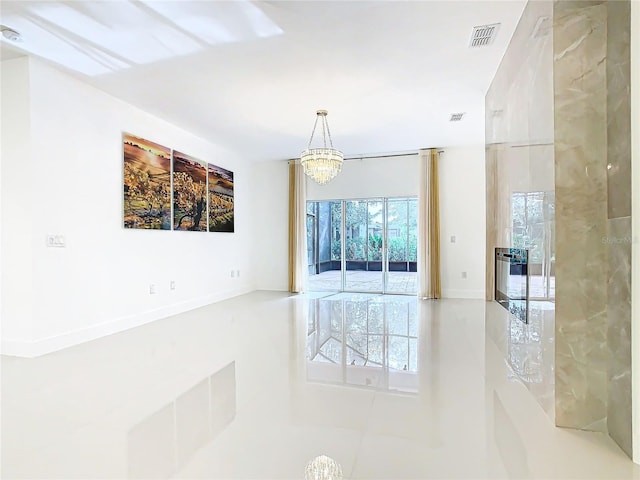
[22,348]
[463,294]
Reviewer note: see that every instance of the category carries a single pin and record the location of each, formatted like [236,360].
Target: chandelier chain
[328,134]
[313,131]
[324,131]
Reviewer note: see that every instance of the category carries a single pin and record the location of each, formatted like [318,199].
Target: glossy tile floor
[256,386]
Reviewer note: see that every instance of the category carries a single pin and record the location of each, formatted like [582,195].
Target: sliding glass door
[402,245]
[324,227]
[364,245]
[363,248]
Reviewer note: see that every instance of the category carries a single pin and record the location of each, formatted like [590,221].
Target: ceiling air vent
[484,35]
[456,117]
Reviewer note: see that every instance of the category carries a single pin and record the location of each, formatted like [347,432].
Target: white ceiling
[251,75]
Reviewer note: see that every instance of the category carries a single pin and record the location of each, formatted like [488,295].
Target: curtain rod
[363,157]
[386,156]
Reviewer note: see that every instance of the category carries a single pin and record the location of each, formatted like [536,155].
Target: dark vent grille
[456,117]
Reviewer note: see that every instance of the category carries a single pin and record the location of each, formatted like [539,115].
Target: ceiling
[251,75]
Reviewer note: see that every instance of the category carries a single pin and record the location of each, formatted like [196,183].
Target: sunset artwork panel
[146,184]
[220,199]
[189,193]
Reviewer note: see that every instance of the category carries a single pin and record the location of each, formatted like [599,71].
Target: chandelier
[323,468]
[324,163]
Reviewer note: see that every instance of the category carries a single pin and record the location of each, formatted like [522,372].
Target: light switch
[453,239]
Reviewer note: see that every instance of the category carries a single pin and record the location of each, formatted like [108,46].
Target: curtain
[297,228]
[429,226]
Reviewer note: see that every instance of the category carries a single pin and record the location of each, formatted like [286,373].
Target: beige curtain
[297,228]
[429,226]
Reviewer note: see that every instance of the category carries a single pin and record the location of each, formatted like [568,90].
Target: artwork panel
[189,193]
[146,184]
[221,199]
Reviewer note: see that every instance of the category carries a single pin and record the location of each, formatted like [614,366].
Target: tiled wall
[558,119]
[593,195]
[619,223]
[581,212]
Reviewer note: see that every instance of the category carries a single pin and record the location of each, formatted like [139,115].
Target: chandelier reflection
[323,468]
[364,342]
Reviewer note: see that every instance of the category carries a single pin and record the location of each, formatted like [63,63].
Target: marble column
[580,93]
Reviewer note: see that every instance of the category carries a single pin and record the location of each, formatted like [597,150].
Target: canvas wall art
[220,199]
[147,184]
[189,193]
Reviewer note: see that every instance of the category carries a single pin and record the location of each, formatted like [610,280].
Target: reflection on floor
[367,341]
[364,281]
[232,391]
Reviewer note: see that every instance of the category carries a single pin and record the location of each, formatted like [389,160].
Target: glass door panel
[311,238]
[402,243]
[324,219]
[363,245]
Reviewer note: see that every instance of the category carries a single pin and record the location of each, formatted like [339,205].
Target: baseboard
[22,348]
[475,294]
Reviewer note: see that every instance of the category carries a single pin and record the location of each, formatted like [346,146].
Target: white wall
[370,177]
[462,203]
[271,224]
[635,212]
[70,183]
[462,214]
[16,222]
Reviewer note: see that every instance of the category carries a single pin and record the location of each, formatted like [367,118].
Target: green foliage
[375,248]
[397,249]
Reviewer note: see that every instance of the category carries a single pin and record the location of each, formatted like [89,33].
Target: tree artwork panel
[189,193]
[220,199]
[147,184]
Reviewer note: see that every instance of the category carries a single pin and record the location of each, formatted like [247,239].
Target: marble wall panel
[619,223]
[581,209]
[558,121]
[619,109]
[619,332]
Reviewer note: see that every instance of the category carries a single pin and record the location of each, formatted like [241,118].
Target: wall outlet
[453,239]
[238,273]
[464,275]
[233,274]
[153,289]
[56,241]
[172,285]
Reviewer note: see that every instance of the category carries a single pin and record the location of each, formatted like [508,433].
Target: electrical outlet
[464,275]
[56,241]
[238,273]
[172,285]
[453,239]
[152,289]
[233,274]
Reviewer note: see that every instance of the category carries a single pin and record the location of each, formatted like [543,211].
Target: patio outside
[364,281]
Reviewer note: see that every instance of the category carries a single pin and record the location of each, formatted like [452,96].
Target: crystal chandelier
[322,164]
[323,468]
